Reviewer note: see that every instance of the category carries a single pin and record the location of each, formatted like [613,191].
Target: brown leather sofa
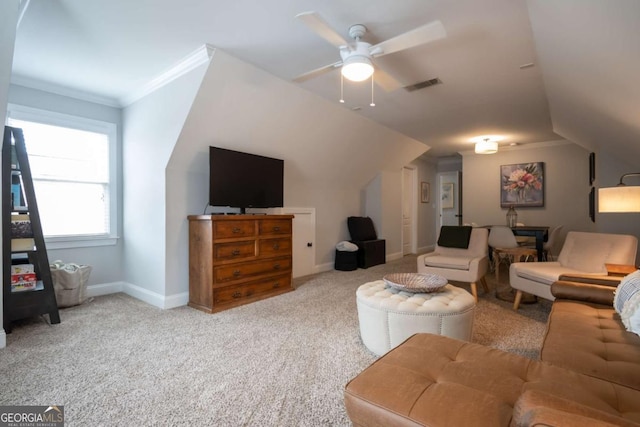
[588,375]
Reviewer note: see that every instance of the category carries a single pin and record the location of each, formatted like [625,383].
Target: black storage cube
[371,252]
[346,261]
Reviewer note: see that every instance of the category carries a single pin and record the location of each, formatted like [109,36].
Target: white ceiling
[112,48]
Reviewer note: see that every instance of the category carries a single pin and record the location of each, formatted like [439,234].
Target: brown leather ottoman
[439,381]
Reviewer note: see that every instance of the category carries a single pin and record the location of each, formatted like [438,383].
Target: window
[72,162]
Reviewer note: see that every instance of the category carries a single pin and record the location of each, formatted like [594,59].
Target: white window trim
[21,112]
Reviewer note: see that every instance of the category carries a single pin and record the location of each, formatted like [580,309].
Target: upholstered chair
[459,260]
[582,254]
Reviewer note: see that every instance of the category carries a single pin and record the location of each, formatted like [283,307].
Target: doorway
[449,199]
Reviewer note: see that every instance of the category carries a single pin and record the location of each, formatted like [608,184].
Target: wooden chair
[505,248]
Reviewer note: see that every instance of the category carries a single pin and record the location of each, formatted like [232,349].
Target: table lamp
[621,198]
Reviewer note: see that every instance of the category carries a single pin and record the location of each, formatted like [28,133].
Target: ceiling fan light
[486,147]
[357,68]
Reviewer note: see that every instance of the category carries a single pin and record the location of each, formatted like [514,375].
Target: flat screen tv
[243,180]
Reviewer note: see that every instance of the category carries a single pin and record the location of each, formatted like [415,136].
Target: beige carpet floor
[284,361]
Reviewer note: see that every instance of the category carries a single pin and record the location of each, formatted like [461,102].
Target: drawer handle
[236,230]
[236,273]
[276,267]
[235,252]
[237,294]
[276,246]
[276,228]
[276,285]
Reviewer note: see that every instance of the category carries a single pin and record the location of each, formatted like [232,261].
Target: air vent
[423,84]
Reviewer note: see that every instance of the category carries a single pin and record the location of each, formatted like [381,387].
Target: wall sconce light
[621,198]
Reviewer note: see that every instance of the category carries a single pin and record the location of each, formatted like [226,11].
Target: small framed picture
[447,195]
[425,192]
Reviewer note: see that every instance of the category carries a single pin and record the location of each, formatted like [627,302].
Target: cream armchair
[463,265]
[582,254]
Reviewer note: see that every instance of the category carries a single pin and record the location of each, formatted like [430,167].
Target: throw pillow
[585,256]
[452,236]
[629,285]
[627,301]
[631,314]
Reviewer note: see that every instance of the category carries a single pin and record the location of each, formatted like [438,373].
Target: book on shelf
[21,226]
[18,200]
[22,269]
[20,245]
[23,282]
[14,157]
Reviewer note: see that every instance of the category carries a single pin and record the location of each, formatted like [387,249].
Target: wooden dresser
[238,259]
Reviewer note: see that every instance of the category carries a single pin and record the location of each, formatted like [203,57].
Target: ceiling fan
[356,63]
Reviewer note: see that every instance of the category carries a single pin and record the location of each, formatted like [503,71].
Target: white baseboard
[393,257]
[104,289]
[3,338]
[321,268]
[153,298]
[177,300]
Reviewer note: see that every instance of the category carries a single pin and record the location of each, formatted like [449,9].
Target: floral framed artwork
[446,196]
[522,185]
[425,190]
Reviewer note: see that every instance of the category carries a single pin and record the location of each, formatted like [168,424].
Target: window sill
[79,242]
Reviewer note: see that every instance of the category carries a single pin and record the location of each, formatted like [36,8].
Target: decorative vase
[522,195]
[512,217]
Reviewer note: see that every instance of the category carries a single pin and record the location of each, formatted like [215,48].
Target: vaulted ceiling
[530,71]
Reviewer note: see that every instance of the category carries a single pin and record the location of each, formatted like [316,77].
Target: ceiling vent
[423,84]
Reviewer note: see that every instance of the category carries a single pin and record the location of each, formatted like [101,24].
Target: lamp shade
[623,198]
[357,68]
[486,147]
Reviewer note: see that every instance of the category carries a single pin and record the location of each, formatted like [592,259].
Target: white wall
[391,207]
[371,200]
[8,21]
[329,152]
[151,127]
[383,204]
[566,175]
[427,213]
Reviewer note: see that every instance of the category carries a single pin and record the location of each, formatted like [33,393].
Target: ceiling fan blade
[385,80]
[317,72]
[421,35]
[319,26]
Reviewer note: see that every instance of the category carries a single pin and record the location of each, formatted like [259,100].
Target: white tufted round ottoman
[389,316]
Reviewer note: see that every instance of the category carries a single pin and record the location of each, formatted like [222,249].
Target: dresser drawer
[274,247]
[270,227]
[234,250]
[230,229]
[247,290]
[246,270]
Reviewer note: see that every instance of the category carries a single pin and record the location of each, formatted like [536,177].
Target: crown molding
[188,63]
[31,83]
[196,58]
[529,146]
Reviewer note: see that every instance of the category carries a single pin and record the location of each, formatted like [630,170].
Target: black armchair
[371,250]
